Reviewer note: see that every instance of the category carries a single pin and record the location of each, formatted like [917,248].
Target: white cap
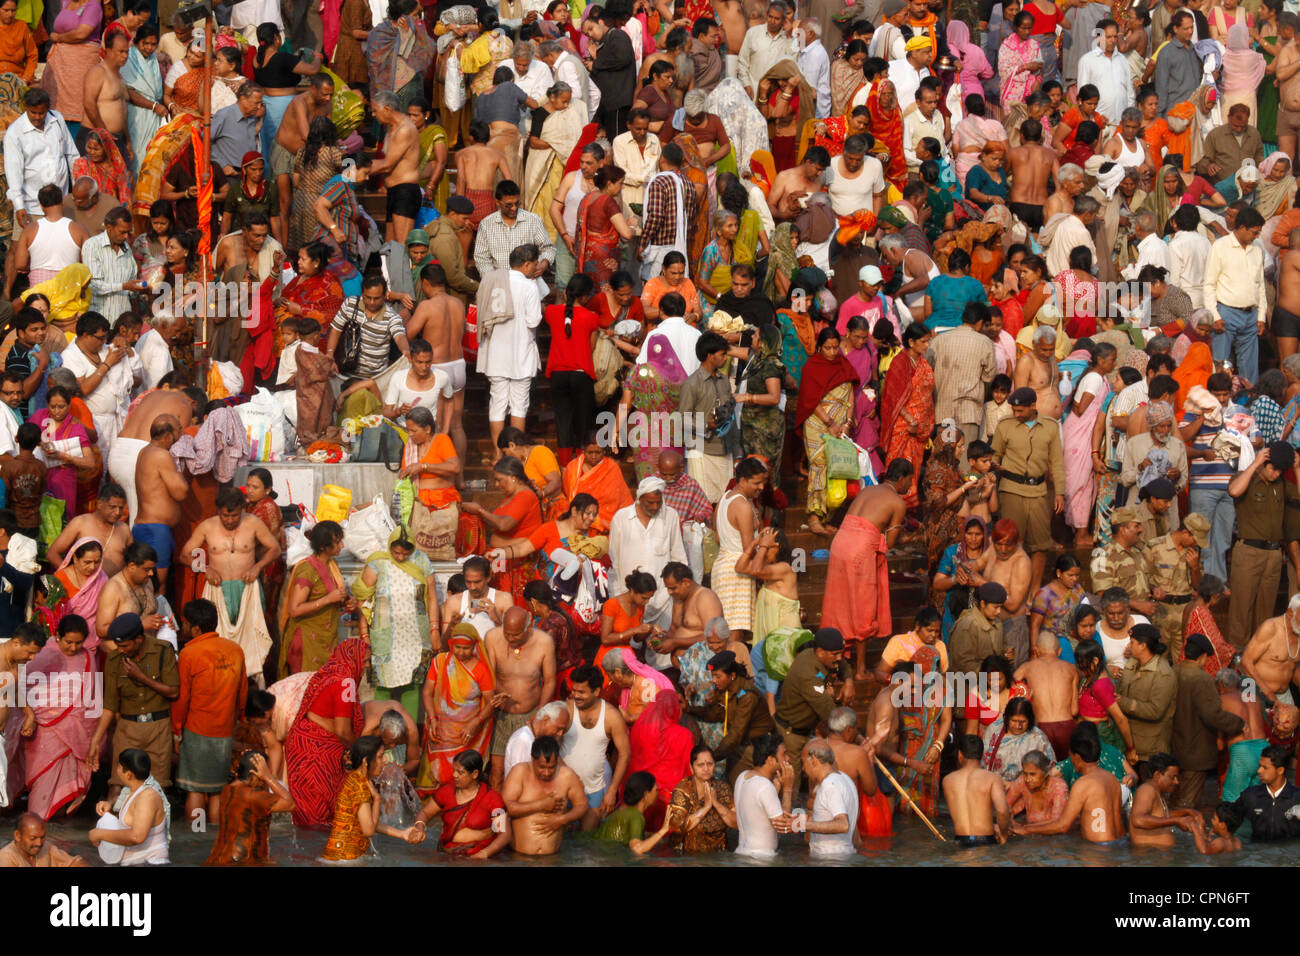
[870,275]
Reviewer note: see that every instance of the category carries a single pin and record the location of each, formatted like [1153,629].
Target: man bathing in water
[1151,821]
[542,796]
[523,660]
[1096,799]
[400,163]
[1269,658]
[976,799]
[161,488]
[1052,684]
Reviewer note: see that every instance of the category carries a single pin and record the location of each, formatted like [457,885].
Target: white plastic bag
[366,531]
[296,546]
[265,423]
[454,87]
[693,540]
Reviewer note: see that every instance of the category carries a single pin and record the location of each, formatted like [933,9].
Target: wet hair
[231,499]
[1085,742]
[545,748]
[972,748]
[139,554]
[637,786]
[678,571]
[363,751]
[324,535]
[260,703]
[641,582]
[1090,660]
[247,760]
[135,761]
[588,676]
[1159,763]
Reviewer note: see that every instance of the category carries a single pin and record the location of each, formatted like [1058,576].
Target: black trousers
[614,121]
[574,397]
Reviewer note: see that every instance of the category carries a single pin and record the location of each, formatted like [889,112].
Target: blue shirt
[949,296]
[233,135]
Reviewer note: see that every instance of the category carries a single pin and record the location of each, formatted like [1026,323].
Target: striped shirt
[1205,475]
[377,334]
[110,267]
[496,240]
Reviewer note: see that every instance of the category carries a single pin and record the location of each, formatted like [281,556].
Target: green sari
[431,136]
[1267,104]
[397,609]
[782,259]
[762,427]
[744,248]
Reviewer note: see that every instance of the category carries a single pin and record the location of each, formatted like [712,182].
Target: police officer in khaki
[807,696]
[1120,564]
[977,633]
[1155,509]
[1173,568]
[1268,519]
[1027,449]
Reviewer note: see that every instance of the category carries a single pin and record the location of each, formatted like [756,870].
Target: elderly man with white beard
[645,536]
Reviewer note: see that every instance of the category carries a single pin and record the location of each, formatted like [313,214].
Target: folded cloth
[1199,401]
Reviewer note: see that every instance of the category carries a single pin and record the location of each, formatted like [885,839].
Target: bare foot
[1083,540]
[815,525]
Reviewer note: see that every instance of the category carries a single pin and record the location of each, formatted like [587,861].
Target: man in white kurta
[1108,71]
[508,356]
[105,379]
[1069,232]
[645,536]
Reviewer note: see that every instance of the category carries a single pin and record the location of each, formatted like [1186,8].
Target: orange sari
[604,483]
[463,692]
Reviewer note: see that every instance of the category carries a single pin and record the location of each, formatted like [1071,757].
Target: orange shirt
[622,620]
[214,687]
[440,449]
[523,507]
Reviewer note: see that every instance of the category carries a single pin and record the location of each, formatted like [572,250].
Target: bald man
[131,440]
[30,848]
[523,660]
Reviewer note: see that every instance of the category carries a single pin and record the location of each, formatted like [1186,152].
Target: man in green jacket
[1146,692]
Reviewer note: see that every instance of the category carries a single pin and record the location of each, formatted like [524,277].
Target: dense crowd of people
[972,289]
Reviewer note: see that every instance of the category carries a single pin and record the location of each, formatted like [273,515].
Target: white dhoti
[122,456]
[249,631]
[659,613]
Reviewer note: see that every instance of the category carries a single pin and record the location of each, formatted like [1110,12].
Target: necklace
[1292,655]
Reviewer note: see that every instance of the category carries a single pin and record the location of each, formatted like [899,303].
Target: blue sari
[142,74]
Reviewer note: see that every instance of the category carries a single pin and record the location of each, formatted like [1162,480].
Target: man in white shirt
[551,720]
[637,153]
[421,384]
[1188,252]
[856,180]
[507,352]
[153,349]
[567,68]
[531,75]
[102,373]
[888,42]
[764,45]
[1151,249]
[11,397]
[1061,235]
[112,266]
[921,120]
[835,808]
[1234,292]
[1108,71]
[760,813]
[815,65]
[645,536]
[38,151]
[908,72]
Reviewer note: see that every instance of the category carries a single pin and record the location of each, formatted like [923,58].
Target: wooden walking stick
[910,802]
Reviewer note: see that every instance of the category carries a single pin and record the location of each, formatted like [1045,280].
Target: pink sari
[1076,443]
[85,602]
[970,136]
[1013,56]
[647,686]
[56,754]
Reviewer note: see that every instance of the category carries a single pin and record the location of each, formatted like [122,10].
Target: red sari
[661,746]
[320,297]
[1200,621]
[313,755]
[604,483]
[474,815]
[909,385]
[887,128]
[598,240]
[56,754]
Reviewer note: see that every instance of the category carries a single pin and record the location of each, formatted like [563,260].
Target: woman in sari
[1276,186]
[314,293]
[783,262]
[58,774]
[714,275]
[827,384]
[104,164]
[751,242]
[150,245]
[907,404]
[661,746]
[653,388]
[316,164]
[1079,293]
[514,519]
[1196,368]
[1104,438]
[1055,604]
[1267,36]
[860,349]
[457,699]
[73,589]
[974,66]
[1098,703]
[328,722]
[1082,460]
[602,227]
[762,420]
[1243,71]
[972,134]
[598,475]
[348,60]
[701,809]
[65,446]
[955,575]
[923,724]
[549,150]
[945,490]
[75,36]
[787,102]
[887,128]
[1020,62]
[145,111]
[571,531]
[798,336]
[314,599]
[540,467]
[847,76]
[467,805]
[1011,737]
[1211,593]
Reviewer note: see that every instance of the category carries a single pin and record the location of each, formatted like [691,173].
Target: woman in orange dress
[457,699]
[601,477]
[907,404]
[621,618]
[515,519]
[356,808]
[542,468]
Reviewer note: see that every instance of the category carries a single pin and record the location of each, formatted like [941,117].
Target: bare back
[1288,282]
[1052,687]
[479,166]
[403,146]
[157,504]
[1031,166]
[882,506]
[731,18]
[1101,818]
[158,402]
[440,321]
[969,794]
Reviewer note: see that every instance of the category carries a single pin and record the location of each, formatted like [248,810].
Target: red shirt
[572,352]
[213,687]
[600,302]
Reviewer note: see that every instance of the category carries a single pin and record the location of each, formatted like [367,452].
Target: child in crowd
[24,480]
[998,409]
[981,499]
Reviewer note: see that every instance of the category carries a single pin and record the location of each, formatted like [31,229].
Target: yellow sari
[545,168]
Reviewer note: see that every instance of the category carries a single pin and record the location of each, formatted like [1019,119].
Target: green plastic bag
[780,647]
[405,489]
[841,459]
[51,518]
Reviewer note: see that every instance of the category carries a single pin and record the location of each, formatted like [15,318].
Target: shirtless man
[478,169]
[918,270]
[440,320]
[1031,164]
[20,649]
[693,606]
[732,21]
[1070,180]
[225,549]
[1286,316]
[584,747]
[798,183]
[1268,659]
[243,247]
[1095,799]
[400,164]
[1127,143]
[398,731]
[1052,686]
[130,591]
[133,437]
[855,758]
[313,103]
[104,93]
[1244,749]
[523,660]
[162,488]
[536,795]
[104,524]
[1012,568]
[976,799]
[1037,369]
[479,604]
[1150,819]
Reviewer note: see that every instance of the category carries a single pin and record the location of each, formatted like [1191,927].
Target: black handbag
[347,354]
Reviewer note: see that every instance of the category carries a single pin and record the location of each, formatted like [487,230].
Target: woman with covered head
[457,697]
[639,685]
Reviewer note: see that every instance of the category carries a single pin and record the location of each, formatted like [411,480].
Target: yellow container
[335,503]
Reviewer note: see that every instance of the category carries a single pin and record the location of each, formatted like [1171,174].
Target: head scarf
[887,128]
[892,216]
[1272,196]
[464,633]
[347,663]
[1243,68]
[86,601]
[782,258]
[111,175]
[1110,180]
[649,485]
[819,376]
[661,358]
[1195,369]
[1159,413]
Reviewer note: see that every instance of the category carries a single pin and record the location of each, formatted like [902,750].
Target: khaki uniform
[1118,567]
[973,638]
[1268,515]
[1034,454]
[1146,695]
[1154,525]
[143,715]
[806,699]
[1166,568]
[742,711]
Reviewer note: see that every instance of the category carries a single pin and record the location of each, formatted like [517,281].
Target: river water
[912,846]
